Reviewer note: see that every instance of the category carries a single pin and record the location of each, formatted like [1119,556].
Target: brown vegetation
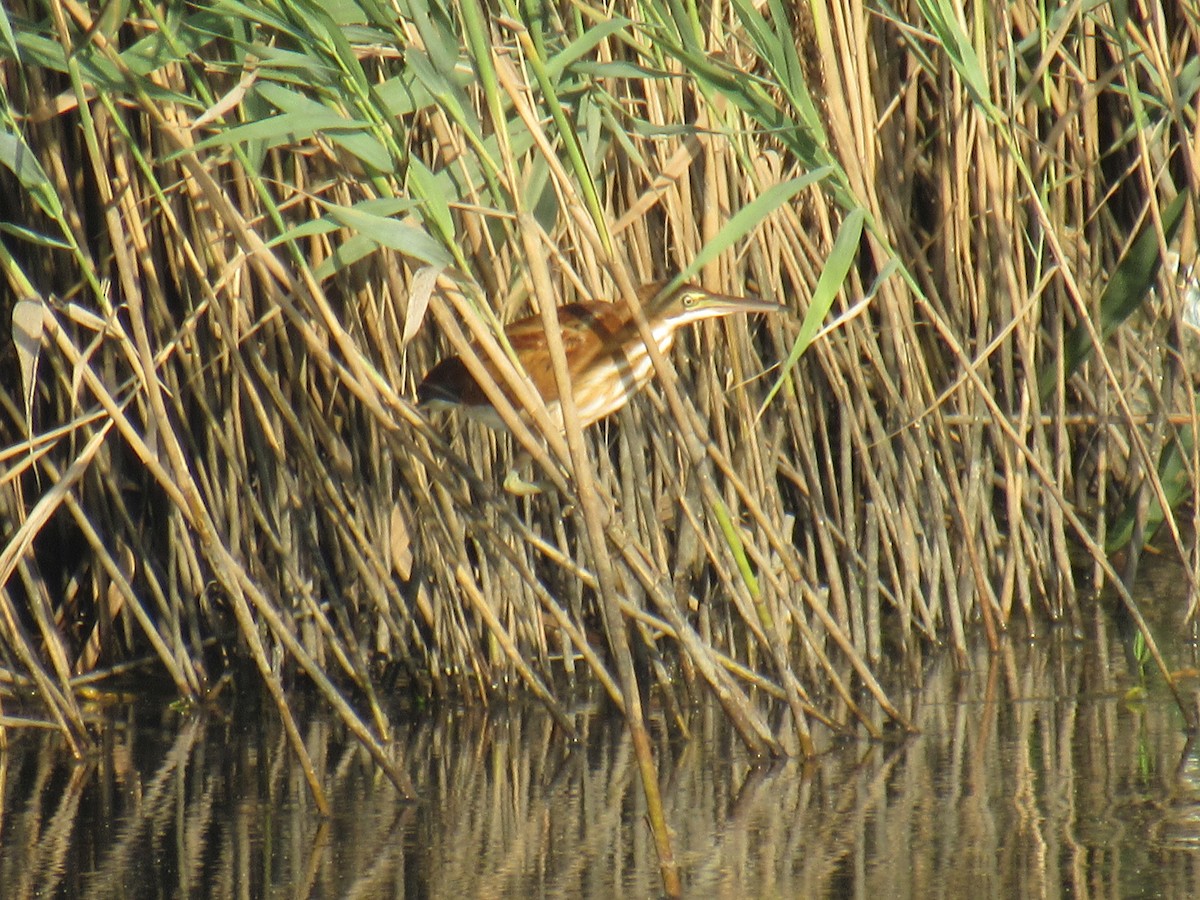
[241,238]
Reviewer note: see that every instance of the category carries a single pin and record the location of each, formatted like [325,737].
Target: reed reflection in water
[1033,776]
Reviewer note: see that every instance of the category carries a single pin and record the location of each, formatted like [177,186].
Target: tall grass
[239,235]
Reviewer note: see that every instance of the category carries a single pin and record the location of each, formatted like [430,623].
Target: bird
[607,358]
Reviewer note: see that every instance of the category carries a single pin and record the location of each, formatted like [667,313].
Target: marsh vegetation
[238,234]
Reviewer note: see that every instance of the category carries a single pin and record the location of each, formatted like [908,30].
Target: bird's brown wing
[586,328]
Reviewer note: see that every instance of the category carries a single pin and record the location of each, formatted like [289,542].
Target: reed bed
[238,236]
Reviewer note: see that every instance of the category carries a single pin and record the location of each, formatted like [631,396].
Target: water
[1049,770]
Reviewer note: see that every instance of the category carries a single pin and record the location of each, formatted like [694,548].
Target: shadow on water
[1045,771]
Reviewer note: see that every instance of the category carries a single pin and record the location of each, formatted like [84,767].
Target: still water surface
[1041,772]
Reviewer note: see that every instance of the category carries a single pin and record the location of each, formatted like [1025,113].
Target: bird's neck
[664,336]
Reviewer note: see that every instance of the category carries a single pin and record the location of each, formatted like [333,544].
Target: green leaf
[582,46]
[446,92]
[10,40]
[404,94]
[745,221]
[289,101]
[432,191]
[157,49]
[378,206]
[1125,292]
[1173,475]
[302,118]
[363,145]
[347,253]
[952,37]
[39,51]
[306,229]
[437,34]
[16,156]
[384,231]
[33,237]
[285,128]
[749,95]
[833,276]
[620,69]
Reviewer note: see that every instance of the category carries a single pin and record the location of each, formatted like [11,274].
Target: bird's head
[689,303]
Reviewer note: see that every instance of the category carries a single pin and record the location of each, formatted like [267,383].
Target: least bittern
[606,357]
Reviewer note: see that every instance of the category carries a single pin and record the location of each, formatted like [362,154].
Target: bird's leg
[518,486]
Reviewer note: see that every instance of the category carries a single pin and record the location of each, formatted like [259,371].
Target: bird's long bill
[707,306]
[727,303]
